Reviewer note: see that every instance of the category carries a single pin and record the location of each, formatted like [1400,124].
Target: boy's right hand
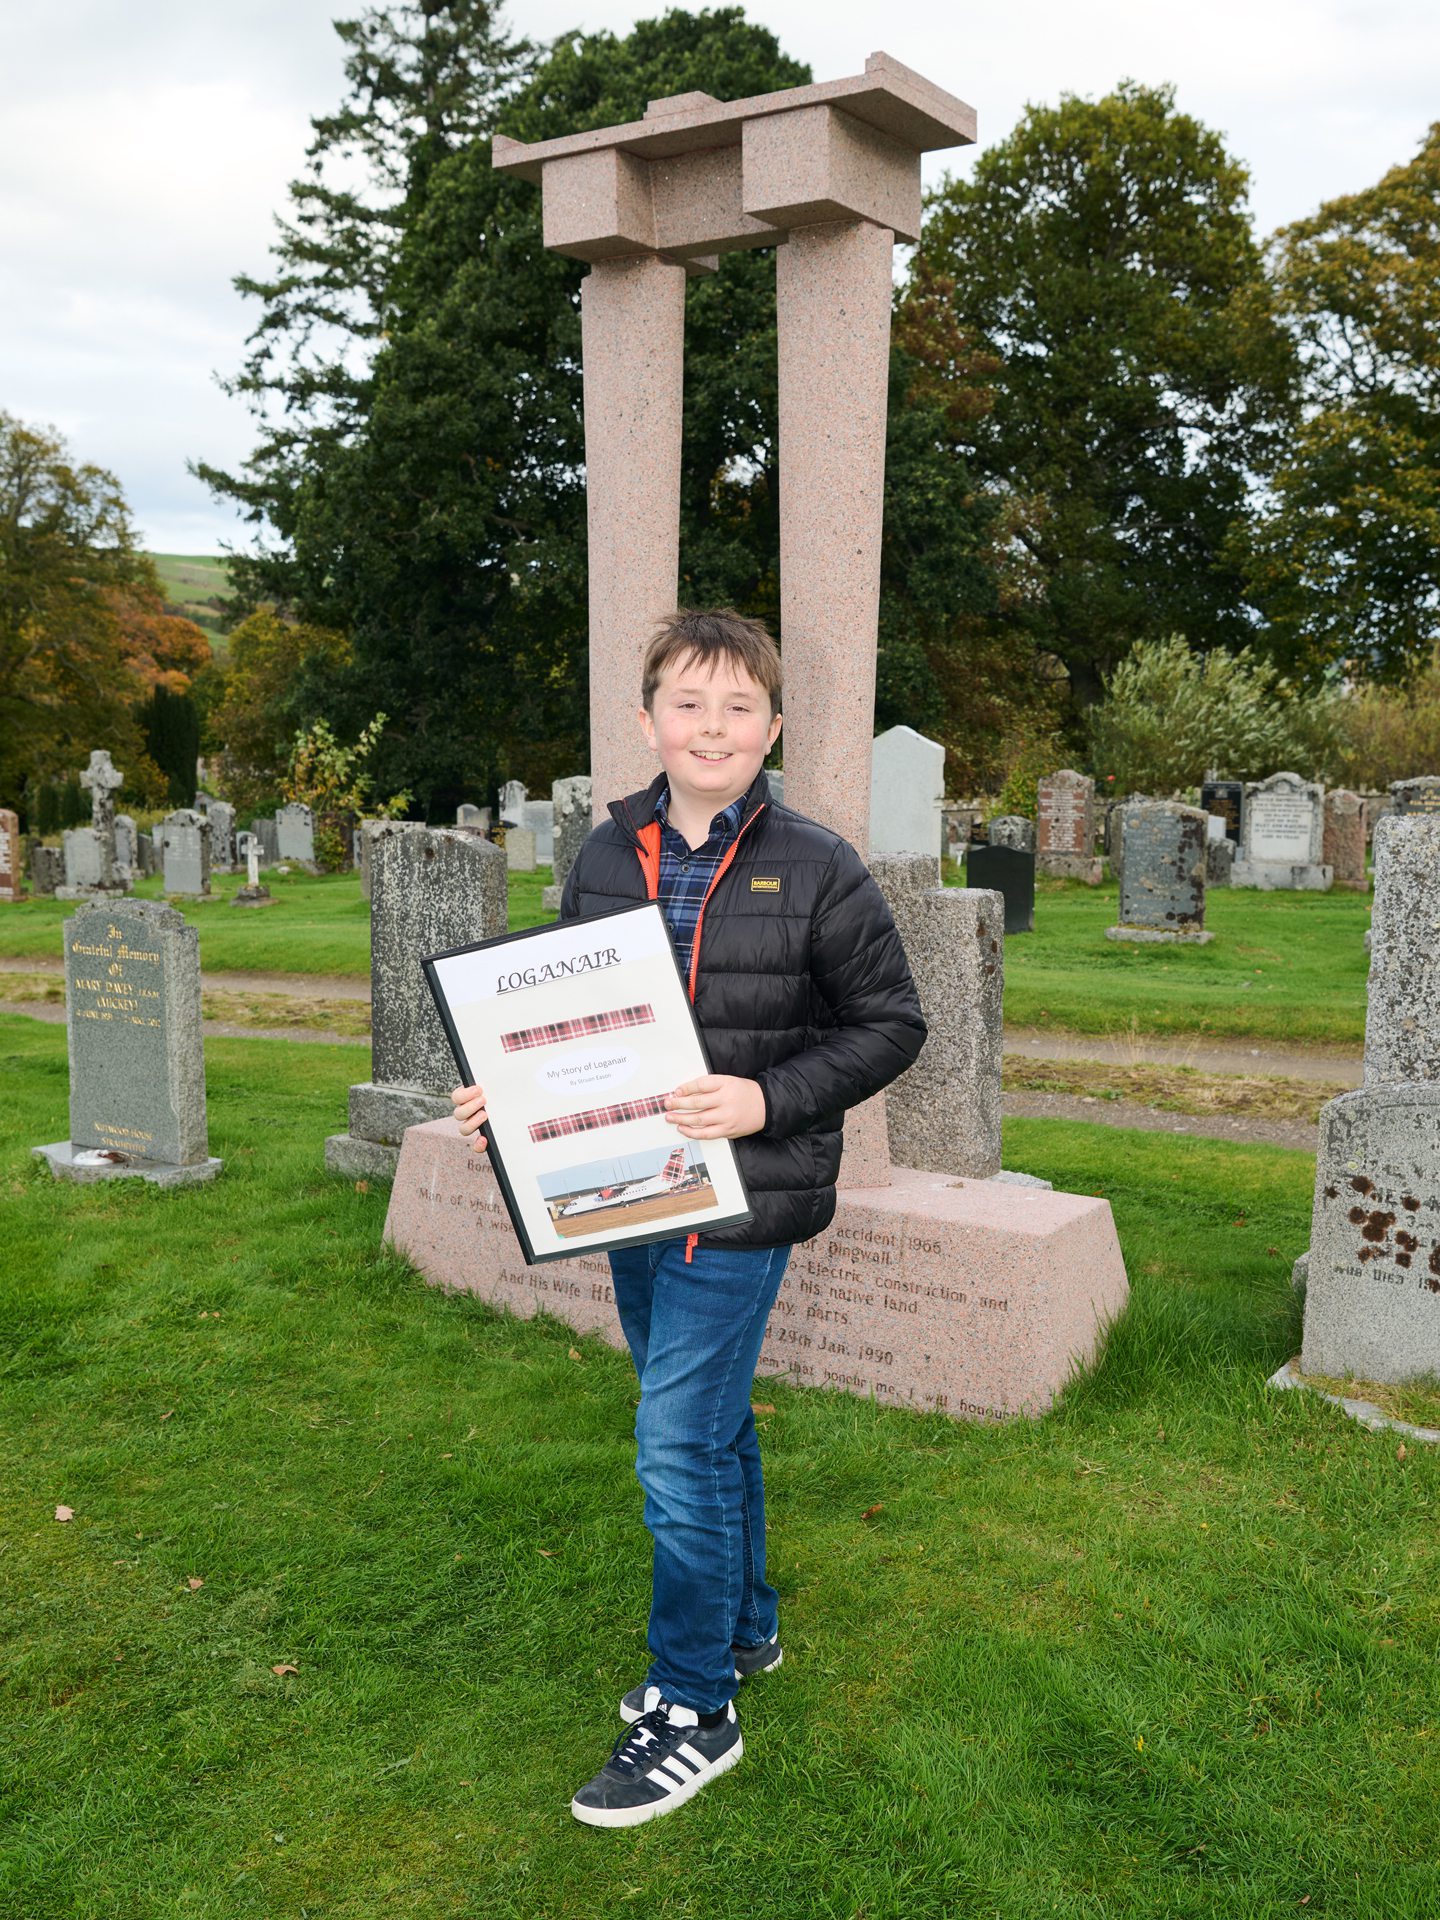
[469,1103]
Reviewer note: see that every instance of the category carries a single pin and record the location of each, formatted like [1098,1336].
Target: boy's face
[712,727]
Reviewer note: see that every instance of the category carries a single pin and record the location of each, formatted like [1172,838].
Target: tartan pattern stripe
[611,1116]
[685,875]
[556,1030]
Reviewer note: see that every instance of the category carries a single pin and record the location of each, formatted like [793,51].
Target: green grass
[1283,967]
[319,924]
[1170,1652]
[197,585]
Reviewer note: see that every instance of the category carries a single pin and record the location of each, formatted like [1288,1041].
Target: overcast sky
[144,150]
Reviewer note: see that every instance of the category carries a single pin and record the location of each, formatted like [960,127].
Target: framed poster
[577,1033]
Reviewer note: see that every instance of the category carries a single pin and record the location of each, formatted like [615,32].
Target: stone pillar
[833,296]
[632,314]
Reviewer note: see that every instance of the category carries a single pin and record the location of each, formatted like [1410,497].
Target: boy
[801,988]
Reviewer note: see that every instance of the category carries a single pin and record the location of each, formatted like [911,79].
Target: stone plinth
[977,1298]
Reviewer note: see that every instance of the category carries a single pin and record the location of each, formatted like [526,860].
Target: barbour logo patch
[759,885]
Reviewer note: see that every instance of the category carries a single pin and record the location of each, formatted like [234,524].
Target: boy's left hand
[717,1106]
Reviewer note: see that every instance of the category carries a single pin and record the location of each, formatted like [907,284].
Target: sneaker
[748,1661]
[656,1765]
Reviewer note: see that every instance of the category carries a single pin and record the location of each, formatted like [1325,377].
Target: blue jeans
[694,1333]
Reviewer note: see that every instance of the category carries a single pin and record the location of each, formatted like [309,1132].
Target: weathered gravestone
[431,889]
[90,871]
[11,885]
[512,803]
[295,835]
[472,819]
[907,788]
[126,854]
[1282,837]
[1376,804]
[47,870]
[1344,841]
[1372,1302]
[1012,830]
[1162,874]
[1219,860]
[137,1068]
[185,853]
[144,853]
[1420,795]
[1065,839]
[572,801]
[944,1111]
[267,833]
[252,894]
[520,849]
[1010,872]
[540,819]
[926,1290]
[221,815]
[1225,799]
[957,828]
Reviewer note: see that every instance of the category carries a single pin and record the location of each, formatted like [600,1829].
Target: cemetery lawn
[319,924]
[1283,968]
[1170,1651]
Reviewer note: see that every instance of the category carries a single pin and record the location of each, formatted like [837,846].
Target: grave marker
[907,790]
[295,835]
[185,853]
[1012,830]
[1065,839]
[11,885]
[1282,837]
[1010,872]
[1162,874]
[1225,799]
[1420,795]
[572,801]
[1344,841]
[137,1069]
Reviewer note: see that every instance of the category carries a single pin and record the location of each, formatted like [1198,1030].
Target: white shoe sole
[636,1816]
[631,1714]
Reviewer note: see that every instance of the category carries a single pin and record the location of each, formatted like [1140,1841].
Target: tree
[1169,715]
[444,529]
[84,637]
[278,675]
[1103,254]
[1347,561]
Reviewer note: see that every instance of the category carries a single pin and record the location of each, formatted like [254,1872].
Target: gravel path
[1130,1113]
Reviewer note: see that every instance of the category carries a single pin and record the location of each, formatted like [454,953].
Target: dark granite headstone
[1227,798]
[1421,795]
[1009,871]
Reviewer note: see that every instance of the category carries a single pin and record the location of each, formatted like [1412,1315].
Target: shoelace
[644,1742]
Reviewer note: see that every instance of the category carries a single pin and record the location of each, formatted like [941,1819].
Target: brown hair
[706,637]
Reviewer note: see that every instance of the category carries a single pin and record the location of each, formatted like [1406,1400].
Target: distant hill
[197,585]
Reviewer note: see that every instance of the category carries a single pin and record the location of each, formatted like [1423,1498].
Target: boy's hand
[469,1103]
[718,1106]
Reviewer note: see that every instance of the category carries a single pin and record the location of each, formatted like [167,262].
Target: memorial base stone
[84,1164]
[1159,936]
[1272,876]
[379,1116]
[550,898]
[1071,866]
[252,897]
[976,1298]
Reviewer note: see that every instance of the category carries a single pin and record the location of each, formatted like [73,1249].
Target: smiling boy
[801,988]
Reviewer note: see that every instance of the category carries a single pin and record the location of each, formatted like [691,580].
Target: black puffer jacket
[802,986]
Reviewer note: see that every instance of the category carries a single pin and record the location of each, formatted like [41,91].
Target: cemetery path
[1206,1056]
[1130,1113]
[295,986]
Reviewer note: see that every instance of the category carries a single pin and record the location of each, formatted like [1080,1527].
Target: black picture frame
[468,1077]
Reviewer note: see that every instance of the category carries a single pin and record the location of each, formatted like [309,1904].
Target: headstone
[223,853]
[268,835]
[945,1110]
[1065,837]
[572,800]
[473,819]
[1372,1303]
[431,889]
[520,849]
[1226,799]
[1010,872]
[11,883]
[540,819]
[957,827]
[1282,837]
[1219,860]
[1376,804]
[137,1069]
[907,789]
[185,853]
[512,804]
[47,871]
[144,853]
[775,780]
[1420,795]
[1012,830]
[104,782]
[1162,874]
[295,835]
[1344,840]
[126,860]
[252,894]
[87,863]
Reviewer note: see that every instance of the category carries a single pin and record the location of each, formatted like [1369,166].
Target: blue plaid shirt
[685,876]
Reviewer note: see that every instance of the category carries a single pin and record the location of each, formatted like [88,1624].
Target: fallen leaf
[1140,1744]
[546,1552]
[758,1406]
[285,1667]
[870,1512]
[64,1513]
[194,1583]
[168,1416]
[362,1186]
[575,1354]
[1400,1451]
[447,1456]
[1272,1249]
